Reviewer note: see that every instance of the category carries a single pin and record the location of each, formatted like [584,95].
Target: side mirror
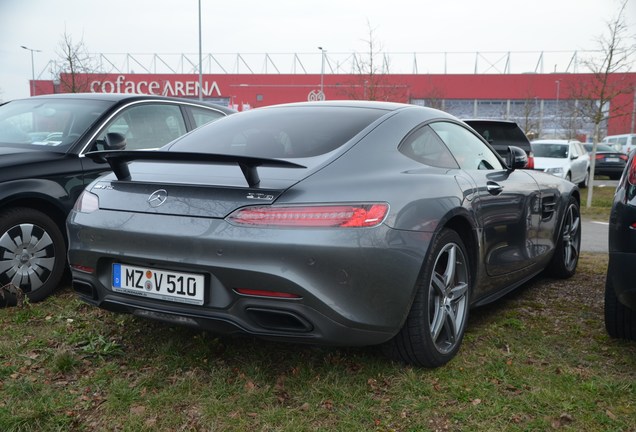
[518,159]
[114,141]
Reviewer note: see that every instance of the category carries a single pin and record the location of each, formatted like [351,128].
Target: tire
[620,321]
[568,177]
[434,328]
[566,254]
[586,180]
[32,253]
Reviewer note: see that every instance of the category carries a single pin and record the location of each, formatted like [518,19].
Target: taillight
[623,157]
[346,216]
[631,171]
[599,157]
[530,161]
[86,203]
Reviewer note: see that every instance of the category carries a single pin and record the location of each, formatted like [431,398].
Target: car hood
[543,163]
[13,156]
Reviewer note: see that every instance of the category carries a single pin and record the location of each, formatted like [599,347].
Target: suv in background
[503,133]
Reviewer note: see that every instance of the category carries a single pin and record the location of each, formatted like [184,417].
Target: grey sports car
[351,223]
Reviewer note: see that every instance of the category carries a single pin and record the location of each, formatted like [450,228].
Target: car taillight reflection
[631,172]
[530,161]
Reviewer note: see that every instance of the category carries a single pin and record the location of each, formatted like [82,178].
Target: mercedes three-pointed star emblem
[157,198]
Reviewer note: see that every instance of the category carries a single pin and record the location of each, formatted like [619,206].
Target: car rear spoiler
[118,161]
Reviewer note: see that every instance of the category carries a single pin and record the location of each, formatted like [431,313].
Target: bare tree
[528,120]
[434,98]
[570,120]
[371,70]
[617,49]
[74,65]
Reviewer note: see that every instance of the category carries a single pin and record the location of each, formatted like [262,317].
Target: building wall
[553,93]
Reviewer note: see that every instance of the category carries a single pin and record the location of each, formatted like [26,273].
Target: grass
[538,359]
[602,198]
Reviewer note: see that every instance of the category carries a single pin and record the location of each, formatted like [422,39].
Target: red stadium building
[544,105]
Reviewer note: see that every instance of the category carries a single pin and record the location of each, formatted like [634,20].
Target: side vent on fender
[548,206]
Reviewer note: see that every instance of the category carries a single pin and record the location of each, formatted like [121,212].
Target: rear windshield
[49,124]
[559,151]
[501,134]
[599,148]
[285,132]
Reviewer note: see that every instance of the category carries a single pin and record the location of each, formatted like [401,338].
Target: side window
[582,149]
[469,151]
[203,116]
[426,147]
[147,126]
[574,151]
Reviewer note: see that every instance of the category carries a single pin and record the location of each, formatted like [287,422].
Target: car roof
[554,141]
[119,97]
[427,113]
[388,106]
[491,121]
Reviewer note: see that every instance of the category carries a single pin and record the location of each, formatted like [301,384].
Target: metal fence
[482,62]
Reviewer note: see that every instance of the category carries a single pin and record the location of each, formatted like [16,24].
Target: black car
[340,222]
[501,134]
[609,162]
[620,289]
[43,170]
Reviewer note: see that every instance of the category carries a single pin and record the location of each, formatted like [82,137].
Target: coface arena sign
[170,86]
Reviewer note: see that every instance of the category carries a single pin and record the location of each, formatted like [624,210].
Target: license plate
[610,159]
[159,284]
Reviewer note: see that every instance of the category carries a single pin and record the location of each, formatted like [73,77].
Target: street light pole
[556,118]
[322,74]
[200,58]
[32,68]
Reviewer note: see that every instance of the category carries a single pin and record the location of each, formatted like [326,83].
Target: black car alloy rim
[448,298]
[27,256]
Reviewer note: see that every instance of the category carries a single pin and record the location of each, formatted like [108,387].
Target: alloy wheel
[27,256]
[448,298]
[571,237]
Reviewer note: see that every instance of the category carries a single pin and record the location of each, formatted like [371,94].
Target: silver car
[567,159]
[351,223]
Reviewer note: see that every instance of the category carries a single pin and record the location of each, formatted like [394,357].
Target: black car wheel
[31,253]
[620,321]
[434,328]
[586,180]
[566,254]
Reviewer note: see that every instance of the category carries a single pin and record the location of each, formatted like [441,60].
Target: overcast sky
[292,26]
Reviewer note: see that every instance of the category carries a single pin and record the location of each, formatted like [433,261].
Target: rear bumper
[608,169]
[264,318]
[354,286]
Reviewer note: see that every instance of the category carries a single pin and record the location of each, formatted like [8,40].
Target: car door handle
[494,188]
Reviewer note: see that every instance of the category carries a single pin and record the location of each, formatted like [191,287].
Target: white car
[567,159]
